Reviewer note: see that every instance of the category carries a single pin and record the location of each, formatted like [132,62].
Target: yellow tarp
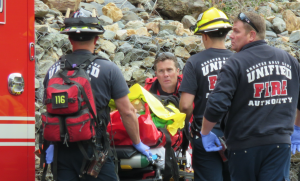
[138,92]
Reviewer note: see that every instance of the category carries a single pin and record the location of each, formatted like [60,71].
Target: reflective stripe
[16,118]
[17,144]
[15,131]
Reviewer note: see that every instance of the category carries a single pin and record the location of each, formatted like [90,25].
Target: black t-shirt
[200,76]
[107,80]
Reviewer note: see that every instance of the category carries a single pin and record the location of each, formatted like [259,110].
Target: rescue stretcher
[130,160]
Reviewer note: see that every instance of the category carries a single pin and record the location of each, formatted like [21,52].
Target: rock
[269,25]
[177,9]
[44,66]
[135,55]
[279,25]
[36,83]
[293,6]
[265,10]
[105,20]
[112,11]
[99,1]
[154,26]
[125,48]
[291,20]
[138,1]
[295,36]
[285,39]
[127,72]
[121,35]
[91,6]
[137,64]
[285,33]
[180,63]
[140,39]
[104,55]
[139,75]
[88,1]
[139,9]
[168,27]
[114,27]
[131,32]
[150,47]
[182,52]
[107,46]
[191,43]
[134,25]
[121,4]
[119,57]
[148,62]
[270,18]
[130,16]
[63,5]
[163,33]
[109,35]
[188,21]
[43,29]
[144,15]
[273,6]
[50,54]
[271,34]
[40,9]
[180,31]
[39,52]
[142,32]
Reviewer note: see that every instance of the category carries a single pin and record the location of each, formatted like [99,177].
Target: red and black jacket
[152,85]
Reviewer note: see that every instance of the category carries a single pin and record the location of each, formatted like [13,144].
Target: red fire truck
[17,94]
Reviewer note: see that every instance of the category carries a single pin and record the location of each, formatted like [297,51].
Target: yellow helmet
[211,20]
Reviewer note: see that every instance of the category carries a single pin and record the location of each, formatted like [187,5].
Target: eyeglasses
[245,19]
[165,55]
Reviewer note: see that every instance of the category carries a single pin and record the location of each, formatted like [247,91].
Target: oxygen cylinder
[137,161]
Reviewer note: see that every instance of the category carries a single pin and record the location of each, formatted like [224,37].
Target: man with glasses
[199,78]
[256,96]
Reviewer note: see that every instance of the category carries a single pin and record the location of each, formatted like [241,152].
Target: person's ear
[252,36]
[96,39]
[177,70]
[155,73]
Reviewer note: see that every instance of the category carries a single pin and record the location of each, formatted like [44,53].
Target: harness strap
[171,168]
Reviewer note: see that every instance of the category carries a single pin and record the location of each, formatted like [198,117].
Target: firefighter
[256,96]
[107,83]
[199,79]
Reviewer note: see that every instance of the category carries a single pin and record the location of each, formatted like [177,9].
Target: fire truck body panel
[17,107]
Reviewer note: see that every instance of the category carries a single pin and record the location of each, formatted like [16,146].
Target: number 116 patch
[59,100]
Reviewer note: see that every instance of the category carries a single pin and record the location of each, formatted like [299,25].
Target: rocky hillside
[136,30]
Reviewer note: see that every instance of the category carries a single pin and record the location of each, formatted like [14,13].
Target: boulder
[63,5]
[188,21]
[112,11]
[40,9]
[291,20]
[279,25]
[177,9]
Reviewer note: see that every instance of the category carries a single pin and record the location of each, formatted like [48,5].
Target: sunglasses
[245,19]
[165,55]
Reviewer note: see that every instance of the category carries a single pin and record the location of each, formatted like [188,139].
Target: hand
[295,139]
[209,142]
[144,149]
[49,154]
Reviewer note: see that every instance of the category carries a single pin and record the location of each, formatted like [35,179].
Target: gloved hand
[295,139]
[144,149]
[209,142]
[49,154]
